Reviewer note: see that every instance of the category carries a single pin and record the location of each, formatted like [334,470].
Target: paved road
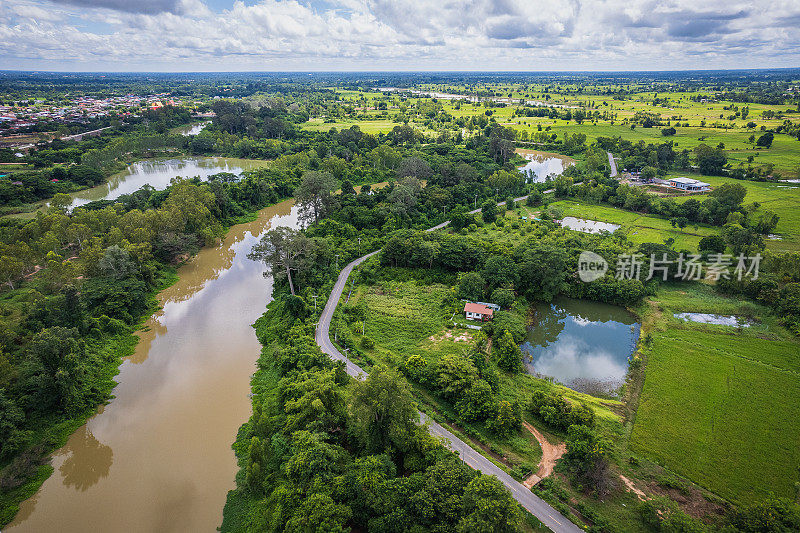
[612,164]
[535,505]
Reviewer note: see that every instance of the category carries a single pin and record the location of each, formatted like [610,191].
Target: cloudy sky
[269,35]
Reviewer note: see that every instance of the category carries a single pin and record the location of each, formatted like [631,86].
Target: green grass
[723,411]
[405,318]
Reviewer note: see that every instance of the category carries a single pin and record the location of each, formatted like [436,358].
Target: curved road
[535,505]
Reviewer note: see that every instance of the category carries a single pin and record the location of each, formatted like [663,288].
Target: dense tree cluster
[325,453]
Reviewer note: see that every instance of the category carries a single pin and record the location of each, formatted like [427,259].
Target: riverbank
[115,349]
[53,433]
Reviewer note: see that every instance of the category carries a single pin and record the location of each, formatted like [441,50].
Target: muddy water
[158,457]
[159,172]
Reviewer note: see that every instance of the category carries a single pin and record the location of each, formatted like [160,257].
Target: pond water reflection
[584,345]
[543,164]
[588,226]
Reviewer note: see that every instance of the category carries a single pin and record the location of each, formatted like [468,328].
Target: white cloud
[398,34]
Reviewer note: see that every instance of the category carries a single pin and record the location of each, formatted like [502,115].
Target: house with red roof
[473,311]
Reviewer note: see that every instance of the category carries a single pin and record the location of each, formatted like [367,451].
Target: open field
[639,228]
[711,411]
[781,198]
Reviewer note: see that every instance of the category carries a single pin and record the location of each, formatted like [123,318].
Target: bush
[367,343]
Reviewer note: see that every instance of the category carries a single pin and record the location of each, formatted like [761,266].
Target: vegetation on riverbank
[325,452]
[78,286]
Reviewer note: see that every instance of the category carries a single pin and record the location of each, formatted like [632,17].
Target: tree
[383,412]
[405,194]
[500,271]
[11,418]
[488,507]
[765,140]
[586,457]
[541,271]
[477,402]
[730,195]
[117,263]
[710,160]
[454,375]
[773,515]
[489,211]
[712,243]
[11,269]
[283,250]
[503,297]
[471,286]
[414,167]
[506,352]
[318,513]
[507,420]
[315,195]
[55,370]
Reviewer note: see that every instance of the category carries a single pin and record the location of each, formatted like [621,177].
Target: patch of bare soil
[691,501]
[551,453]
[632,488]
[463,337]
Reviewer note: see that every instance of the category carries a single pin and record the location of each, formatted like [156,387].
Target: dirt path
[632,488]
[550,454]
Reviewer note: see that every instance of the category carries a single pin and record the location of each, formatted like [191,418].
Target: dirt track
[551,453]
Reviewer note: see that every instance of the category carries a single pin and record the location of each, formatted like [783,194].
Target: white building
[689,184]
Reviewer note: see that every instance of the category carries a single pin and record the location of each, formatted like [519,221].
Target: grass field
[723,412]
[639,228]
[367,126]
[719,405]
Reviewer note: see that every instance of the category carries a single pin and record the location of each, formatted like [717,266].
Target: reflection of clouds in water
[573,358]
[543,167]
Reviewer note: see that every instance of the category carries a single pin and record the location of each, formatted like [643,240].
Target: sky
[395,35]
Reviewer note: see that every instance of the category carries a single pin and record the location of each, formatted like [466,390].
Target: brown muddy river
[158,458]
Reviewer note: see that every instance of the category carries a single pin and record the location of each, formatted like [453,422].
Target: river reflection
[158,173]
[584,345]
[158,457]
[88,460]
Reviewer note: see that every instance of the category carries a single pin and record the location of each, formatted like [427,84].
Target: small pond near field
[543,164]
[588,226]
[711,318]
[582,344]
[191,130]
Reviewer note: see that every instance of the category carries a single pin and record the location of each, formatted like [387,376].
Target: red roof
[470,307]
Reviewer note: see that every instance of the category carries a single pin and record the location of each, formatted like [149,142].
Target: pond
[711,318]
[192,129]
[582,344]
[543,164]
[159,172]
[588,226]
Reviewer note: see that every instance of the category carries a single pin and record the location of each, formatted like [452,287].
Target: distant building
[688,184]
[475,311]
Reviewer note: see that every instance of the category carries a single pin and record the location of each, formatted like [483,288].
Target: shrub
[367,343]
